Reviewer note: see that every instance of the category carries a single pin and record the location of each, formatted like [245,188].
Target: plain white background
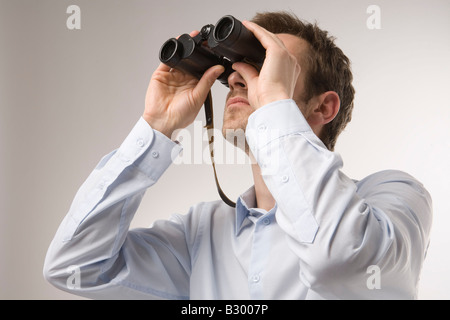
[67,97]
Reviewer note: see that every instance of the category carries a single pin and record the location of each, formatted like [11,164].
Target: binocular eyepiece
[227,42]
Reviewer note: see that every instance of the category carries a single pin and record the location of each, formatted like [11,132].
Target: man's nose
[235,81]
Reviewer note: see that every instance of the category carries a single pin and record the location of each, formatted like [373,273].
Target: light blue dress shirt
[328,237]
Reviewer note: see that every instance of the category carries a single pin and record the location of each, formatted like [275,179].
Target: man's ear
[325,109]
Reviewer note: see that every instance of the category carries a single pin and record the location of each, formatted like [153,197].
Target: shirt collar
[245,206]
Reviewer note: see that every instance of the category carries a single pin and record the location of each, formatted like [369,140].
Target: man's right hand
[174,98]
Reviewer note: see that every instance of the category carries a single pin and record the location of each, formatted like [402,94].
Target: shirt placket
[260,250]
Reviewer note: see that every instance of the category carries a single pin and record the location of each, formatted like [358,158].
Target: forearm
[97,224]
[336,227]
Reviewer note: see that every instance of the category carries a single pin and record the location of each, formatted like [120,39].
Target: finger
[163,67]
[194,33]
[247,72]
[205,83]
[266,38]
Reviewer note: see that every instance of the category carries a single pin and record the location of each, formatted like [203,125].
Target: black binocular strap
[210,125]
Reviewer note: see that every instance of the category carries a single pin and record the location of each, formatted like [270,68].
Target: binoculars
[227,42]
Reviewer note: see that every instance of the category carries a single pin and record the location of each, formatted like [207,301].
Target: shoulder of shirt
[202,216]
[384,179]
[213,207]
[206,209]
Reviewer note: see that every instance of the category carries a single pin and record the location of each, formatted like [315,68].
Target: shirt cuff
[266,129]
[149,150]
[275,120]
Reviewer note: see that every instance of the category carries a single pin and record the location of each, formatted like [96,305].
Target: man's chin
[236,136]
[233,129]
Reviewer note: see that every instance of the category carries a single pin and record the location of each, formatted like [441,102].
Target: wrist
[159,125]
[263,101]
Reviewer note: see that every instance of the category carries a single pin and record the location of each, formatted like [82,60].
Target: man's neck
[264,199]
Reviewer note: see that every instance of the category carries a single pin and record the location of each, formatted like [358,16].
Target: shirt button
[362,207]
[155,154]
[255,278]
[103,184]
[140,142]
[266,221]
[285,178]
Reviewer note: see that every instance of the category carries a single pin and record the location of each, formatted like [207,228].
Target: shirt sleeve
[93,253]
[339,229]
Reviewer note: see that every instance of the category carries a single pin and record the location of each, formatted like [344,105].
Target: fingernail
[219,71]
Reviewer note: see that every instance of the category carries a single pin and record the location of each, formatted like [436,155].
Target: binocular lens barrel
[185,55]
[223,28]
[237,43]
[168,51]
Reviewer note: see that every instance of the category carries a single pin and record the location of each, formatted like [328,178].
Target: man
[304,231]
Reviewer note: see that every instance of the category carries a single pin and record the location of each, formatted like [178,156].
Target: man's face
[237,108]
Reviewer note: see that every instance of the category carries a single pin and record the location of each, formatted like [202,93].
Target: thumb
[207,80]
[247,72]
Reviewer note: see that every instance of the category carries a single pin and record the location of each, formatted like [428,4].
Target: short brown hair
[328,68]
